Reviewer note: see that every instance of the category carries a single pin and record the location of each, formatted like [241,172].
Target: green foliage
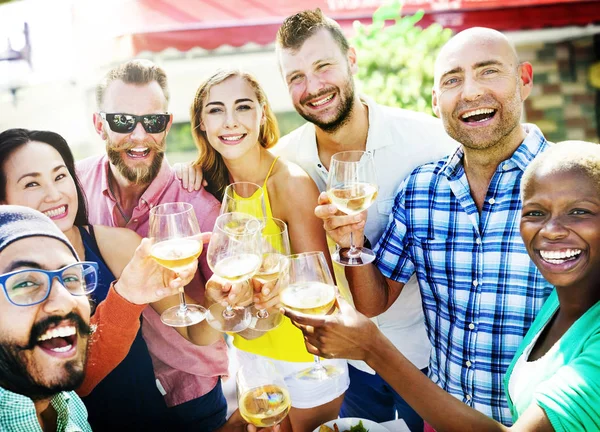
[396,62]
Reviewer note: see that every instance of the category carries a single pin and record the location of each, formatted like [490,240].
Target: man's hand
[236,423]
[348,334]
[191,176]
[339,225]
[143,280]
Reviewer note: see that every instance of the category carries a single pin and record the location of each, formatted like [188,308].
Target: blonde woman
[233,126]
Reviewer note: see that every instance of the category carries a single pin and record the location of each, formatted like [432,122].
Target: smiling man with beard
[318,66]
[122,186]
[44,324]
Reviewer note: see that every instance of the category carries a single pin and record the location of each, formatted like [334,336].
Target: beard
[140,175]
[343,112]
[509,116]
[18,375]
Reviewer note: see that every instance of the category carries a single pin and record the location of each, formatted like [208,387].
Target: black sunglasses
[126,123]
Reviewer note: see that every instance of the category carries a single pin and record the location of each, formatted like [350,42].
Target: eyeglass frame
[51,274]
[138,119]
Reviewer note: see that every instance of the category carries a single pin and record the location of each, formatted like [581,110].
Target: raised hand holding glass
[176,244]
[352,188]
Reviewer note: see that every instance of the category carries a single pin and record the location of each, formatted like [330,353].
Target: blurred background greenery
[396,62]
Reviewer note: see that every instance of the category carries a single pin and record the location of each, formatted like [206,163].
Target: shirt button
[475,283]
[492,201]
[135,220]
[506,167]
[471,326]
[468,363]
[478,240]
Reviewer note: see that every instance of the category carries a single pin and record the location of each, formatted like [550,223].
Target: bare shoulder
[117,246]
[289,179]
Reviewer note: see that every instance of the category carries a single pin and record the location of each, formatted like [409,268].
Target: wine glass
[352,187]
[311,291]
[176,244]
[263,397]
[273,270]
[234,254]
[244,197]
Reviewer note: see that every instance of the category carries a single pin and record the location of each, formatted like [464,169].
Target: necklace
[110,188]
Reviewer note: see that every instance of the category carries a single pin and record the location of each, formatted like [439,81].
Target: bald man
[455,225]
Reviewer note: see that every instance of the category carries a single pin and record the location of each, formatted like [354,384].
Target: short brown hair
[133,72]
[211,162]
[296,29]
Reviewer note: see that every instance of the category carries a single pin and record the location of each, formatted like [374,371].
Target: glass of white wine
[234,254]
[311,291]
[352,187]
[244,197]
[176,244]
[273,270]
[263,397]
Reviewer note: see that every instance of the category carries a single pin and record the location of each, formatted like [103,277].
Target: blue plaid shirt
[480,290]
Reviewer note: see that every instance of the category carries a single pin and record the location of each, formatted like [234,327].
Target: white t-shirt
[399,140]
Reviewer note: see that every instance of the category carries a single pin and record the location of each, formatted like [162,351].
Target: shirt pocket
[432,260]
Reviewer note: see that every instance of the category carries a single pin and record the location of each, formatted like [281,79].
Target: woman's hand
[347,334]
[219,290]
[266,295]
[236,423]
[191,176]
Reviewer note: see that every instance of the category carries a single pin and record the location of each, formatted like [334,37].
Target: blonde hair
[564,156]
[209,160]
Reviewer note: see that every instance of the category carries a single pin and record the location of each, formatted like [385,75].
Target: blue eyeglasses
[32,286]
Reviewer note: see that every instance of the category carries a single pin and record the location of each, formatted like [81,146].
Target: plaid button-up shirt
[17,413]
[480,290]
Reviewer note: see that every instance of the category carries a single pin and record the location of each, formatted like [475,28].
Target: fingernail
[357,218]
[332,209]
[266,291]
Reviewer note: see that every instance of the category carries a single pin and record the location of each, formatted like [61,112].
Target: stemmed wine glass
[176,244]
[311,291]
[244,197]
[263,397]
[352,187]
[234,254]
[273,270]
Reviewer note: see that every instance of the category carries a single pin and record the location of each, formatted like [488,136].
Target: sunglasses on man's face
[126,123]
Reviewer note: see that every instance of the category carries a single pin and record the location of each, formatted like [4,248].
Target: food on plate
[357,428]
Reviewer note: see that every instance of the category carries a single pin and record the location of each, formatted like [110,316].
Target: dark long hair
[13,139]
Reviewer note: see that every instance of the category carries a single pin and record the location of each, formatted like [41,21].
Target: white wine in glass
[273,270]
[352,188]
[234,254]
[311,290]
[263,397]
[353,198]
[176,244]
[176,254]
[311,298]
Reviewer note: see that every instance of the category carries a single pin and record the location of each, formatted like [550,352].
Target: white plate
[346,423]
